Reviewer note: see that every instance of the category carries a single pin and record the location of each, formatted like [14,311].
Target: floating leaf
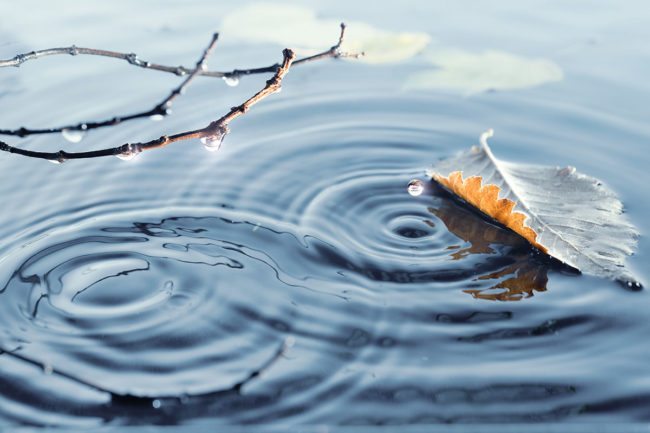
[565,214]
[471,73]
[303,29]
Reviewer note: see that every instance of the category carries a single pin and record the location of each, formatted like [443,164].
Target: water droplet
[132,150]
[156,117]
[73,135]
[212,143]
[180,71]
[416,187]
[73,50]
[231,80]
[156,404]
[133,59]
[634,285]
[20,59]
[59,159]
[48,369]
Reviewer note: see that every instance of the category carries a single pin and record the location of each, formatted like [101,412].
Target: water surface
[143,292]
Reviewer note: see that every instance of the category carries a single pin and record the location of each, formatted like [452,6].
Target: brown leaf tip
[486,199]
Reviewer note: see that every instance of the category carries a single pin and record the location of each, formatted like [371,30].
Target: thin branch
[334,51]
[211,135]
[162,108]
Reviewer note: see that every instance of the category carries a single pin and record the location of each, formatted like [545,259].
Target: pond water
[142,292]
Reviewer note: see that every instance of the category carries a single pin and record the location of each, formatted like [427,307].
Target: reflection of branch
[211,135]
[162,108]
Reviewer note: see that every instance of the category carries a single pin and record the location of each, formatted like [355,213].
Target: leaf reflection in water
[526,272]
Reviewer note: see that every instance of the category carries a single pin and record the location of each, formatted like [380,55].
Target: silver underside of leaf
[576,217]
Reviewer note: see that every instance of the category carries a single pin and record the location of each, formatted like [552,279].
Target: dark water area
[148,292]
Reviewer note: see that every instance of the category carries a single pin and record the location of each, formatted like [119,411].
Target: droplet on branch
[231,80]
[212,142]
[73,135]
[131,151]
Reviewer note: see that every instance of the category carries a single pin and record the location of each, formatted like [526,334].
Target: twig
[334,51]
[211,135]
[162,108]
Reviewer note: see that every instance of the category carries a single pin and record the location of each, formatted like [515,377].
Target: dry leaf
[565,214]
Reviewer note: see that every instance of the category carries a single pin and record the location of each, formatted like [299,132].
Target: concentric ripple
[149,292]
[155,303]
[169,307]
[172,297]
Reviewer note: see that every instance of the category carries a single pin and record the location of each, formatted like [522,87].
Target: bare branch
[133,59]
[334,51]
[211,135]
[201,65]
[162,108]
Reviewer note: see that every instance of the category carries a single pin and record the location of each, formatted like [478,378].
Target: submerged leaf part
[566,214]
[515,281]
[486,199]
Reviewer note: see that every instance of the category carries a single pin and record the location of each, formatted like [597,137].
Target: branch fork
[211,135]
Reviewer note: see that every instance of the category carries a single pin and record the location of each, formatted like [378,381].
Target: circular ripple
[300,227]
[153,308]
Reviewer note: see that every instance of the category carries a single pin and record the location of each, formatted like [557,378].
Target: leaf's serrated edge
[625,278]
[448,184]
